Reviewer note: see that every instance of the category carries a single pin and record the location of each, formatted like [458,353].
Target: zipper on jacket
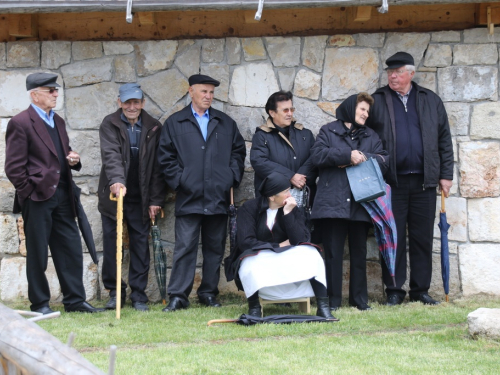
[423,186]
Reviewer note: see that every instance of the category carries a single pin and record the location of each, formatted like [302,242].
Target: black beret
[273,184]
[399,59]
[41,80]
[200,78]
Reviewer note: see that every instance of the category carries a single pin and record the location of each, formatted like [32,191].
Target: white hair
[410,68]
[29,94]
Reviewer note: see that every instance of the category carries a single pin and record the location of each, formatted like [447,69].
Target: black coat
[201,172]
[272,152]
[331,150]
[436,136]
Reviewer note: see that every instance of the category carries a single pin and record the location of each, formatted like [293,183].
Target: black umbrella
[249,320]
[83,224]
[160,258]
[445,252]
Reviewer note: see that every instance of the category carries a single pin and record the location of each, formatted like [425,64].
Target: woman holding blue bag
[340,144]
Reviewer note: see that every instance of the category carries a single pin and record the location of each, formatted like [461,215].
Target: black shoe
[44,310]
[394,299]
[209,301]
[324,309]
[111,305]
[363,307]
[175,303]
[254,308]
[140,306]
[84,307]
[425,299]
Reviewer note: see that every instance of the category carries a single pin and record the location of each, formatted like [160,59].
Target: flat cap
[130,91]
[200,78]
[399,59]
[41,80]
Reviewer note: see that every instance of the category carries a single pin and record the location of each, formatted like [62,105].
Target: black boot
[324,308]
[254,307]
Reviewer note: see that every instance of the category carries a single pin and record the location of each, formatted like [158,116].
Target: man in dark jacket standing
[201,155]
[129,142]
[413,125]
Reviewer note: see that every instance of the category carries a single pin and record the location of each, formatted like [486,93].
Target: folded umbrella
[160,260]
[232,223]
[445,251]
[249,320]
[84,225]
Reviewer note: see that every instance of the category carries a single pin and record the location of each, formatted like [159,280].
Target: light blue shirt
[202,122]
[48,119]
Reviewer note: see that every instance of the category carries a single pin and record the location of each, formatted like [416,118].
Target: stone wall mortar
[321,70]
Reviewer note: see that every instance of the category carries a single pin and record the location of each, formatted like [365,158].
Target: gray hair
[410,68]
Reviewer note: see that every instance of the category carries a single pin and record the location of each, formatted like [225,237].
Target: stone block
[413,43]
[125,69]
[456,214]
[151,108]
[348,71]
[88,72]
[246,189]
[86,50]
[7,192]
[484,220]
[220,72]
[3,129]
[307,84]
[86,143]
[479,169]
[328,107]
[484,121]
[23,54]
[55,53]
[484,323]
[374,279]
[284,52]
[252,84]
[90,278]
[3,61]
[248,119]
[167,224]
[286,77]
[475,54]
[313,53]
[446,37]
[212,50]
[458,117]
[233,51]
[189,61]
[481,35]
[155,85]
[425,79]
[375,40]
[438,55]
[22,237]
[479,268]
[468,83]
[9,235]
[117,48]
[247,164]
[436,290]
[154,56]
[253,49]
[341,41]
[185,44]
[310,115]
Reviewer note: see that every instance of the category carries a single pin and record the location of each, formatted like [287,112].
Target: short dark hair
[280,96]
[364,97]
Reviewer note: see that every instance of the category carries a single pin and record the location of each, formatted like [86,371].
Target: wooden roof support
[146,18]
[23,25]
[363,14]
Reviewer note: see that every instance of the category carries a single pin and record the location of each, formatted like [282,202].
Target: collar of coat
[269,127]
[187,114]
[338,128]
[147,121]
[386,90]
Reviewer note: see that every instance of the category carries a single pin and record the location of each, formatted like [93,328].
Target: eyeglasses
[398,72]
[51,90]
[286,110]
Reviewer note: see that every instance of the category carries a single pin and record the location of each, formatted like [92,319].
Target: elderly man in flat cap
[413,125]
[201,156]
[129,142]
[38,162]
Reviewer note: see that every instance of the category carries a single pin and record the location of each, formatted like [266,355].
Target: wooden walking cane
[119,243]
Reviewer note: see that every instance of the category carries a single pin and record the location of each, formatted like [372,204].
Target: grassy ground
[407,339]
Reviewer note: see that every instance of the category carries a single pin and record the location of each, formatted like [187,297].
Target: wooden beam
[23,25]
[146,18]
[250,17]
[363,14]
[494,13]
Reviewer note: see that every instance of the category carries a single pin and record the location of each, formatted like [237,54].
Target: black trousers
[51,223]
[335,232]
[213,243]
[414,206]
[138,233]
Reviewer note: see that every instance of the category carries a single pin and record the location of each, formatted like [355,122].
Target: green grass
[407,339]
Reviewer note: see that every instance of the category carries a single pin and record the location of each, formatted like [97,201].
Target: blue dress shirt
[202,122]
[48,119]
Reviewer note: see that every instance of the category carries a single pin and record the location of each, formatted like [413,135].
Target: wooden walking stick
[119,240]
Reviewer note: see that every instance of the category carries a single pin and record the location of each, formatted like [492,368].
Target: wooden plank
[483,13]
[146,18]
[363,14]
[22,25]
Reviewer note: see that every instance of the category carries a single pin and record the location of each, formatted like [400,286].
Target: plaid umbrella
[232,223]
[380,210]
[445,252]
[249,320]
[160,259]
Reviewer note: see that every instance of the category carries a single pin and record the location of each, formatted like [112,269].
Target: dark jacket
[272,152]
[436,136]
[115,155]
[31,161]
[201,172]
[331,150]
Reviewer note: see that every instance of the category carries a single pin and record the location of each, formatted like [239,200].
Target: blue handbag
[366,181]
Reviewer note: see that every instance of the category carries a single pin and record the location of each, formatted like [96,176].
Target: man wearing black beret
[413,125]
[201,155]
[38,162]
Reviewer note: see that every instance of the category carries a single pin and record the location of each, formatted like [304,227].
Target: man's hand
[153,211]
[73,158]
[357,157]
[298,180]
[115,189]
[445,186]
[289,204]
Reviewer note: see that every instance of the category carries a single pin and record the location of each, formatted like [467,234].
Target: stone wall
[321,71]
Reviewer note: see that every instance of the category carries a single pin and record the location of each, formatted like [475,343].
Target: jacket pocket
[34,171]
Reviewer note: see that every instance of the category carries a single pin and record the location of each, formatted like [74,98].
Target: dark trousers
[138,233]
[415,206]
[213,243]
[335,232]
[51,223]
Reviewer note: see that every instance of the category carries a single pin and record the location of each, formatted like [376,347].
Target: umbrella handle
[231,193]
[443,209]
[210,322]
[162,215]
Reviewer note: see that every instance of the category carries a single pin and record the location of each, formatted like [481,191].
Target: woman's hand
[289,204]
[285,243]
[357,157]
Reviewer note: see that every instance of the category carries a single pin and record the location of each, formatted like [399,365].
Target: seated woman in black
[272,258]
